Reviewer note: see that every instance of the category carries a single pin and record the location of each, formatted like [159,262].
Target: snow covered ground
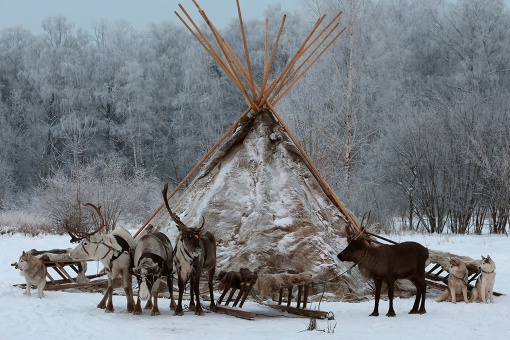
[73,314]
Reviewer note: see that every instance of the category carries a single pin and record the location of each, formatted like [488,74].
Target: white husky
[34,271]
[485,282]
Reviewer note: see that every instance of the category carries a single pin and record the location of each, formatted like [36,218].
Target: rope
[336,277]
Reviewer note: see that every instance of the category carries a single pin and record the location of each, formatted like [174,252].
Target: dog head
[455,262]
[23,261]
[487,265]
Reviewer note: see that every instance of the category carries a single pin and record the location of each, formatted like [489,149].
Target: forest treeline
[407,115]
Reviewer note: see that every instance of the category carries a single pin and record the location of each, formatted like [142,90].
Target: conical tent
[259,193]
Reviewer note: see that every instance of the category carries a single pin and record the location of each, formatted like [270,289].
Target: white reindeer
[114,252]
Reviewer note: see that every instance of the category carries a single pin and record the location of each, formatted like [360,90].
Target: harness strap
[156,258]
[124,245]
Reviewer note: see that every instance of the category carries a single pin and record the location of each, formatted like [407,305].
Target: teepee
[259,193]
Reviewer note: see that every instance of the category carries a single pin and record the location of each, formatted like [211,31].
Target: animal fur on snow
[268,284]
[62,255]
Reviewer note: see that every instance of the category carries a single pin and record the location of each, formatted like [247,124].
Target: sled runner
[237,285]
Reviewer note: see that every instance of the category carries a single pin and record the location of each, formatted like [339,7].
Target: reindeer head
[190,237]
[87,240]
[147,272]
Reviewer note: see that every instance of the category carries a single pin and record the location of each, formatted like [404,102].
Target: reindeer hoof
[391,315]
[374,314]
[153,313]
[179,312]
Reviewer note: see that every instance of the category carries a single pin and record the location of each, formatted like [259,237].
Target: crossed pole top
[270,92]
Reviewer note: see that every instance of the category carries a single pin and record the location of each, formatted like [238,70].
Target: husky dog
[457,281]
[34,271]
[485,282]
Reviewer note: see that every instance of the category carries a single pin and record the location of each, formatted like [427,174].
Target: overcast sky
[140,13]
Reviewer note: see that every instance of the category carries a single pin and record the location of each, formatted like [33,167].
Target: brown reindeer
[195,251]
[388,263]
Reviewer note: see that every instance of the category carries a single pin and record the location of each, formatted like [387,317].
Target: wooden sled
[237,285]
[437,277]
[241,282]
[57,271]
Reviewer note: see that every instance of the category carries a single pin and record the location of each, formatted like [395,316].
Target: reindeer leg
[128,289]
[212,306]
[378,284]
[196,287]
[155,309]
[192,292]
[391,289]
[414,310]
[170,285]
[138,307]
[102,303]
[421,286]
[109,304]
[178,310]
[148,304]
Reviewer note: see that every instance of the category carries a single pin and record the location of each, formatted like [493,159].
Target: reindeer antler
[175,218]
[362,230]
[77,236]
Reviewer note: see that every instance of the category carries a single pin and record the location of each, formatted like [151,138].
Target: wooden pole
[229,56]
[269,65]
[308,67]
[303,50]
[192,171]
[251,84]
[239,75]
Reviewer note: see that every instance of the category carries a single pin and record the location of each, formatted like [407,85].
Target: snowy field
[73,314]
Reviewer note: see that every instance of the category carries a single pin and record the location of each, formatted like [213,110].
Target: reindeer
[195,251]
[389,263]
[153,258]
[114,252]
